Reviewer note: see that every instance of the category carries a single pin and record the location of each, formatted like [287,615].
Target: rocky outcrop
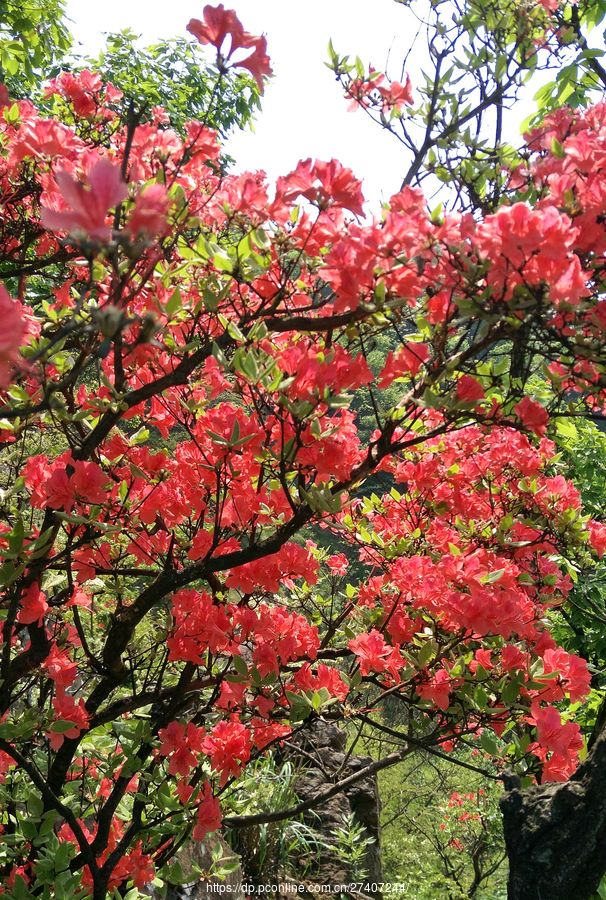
[555,833]
[194,855]
[322,761]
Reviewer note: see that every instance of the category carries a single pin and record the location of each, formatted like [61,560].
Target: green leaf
[175,303]
[489,744]
[492,577]
[427,652]
[61,726]
[510,692]
[240,665]
[557,149]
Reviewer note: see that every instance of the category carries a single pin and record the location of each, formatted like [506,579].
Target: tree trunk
[555,834]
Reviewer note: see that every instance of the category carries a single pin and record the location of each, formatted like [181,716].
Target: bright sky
[304,112]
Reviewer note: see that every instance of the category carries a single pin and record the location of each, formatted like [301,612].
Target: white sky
[304,112]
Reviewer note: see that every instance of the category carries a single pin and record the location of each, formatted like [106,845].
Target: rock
[200,854]
[323,762]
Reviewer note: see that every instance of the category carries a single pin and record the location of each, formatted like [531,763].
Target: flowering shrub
[179,356]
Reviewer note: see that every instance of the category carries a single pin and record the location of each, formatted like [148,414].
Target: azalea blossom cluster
[463,816]
[182,354]
[376,91]
[493,595]
[220,24]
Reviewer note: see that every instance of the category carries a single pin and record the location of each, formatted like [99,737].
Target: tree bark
[555,834]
